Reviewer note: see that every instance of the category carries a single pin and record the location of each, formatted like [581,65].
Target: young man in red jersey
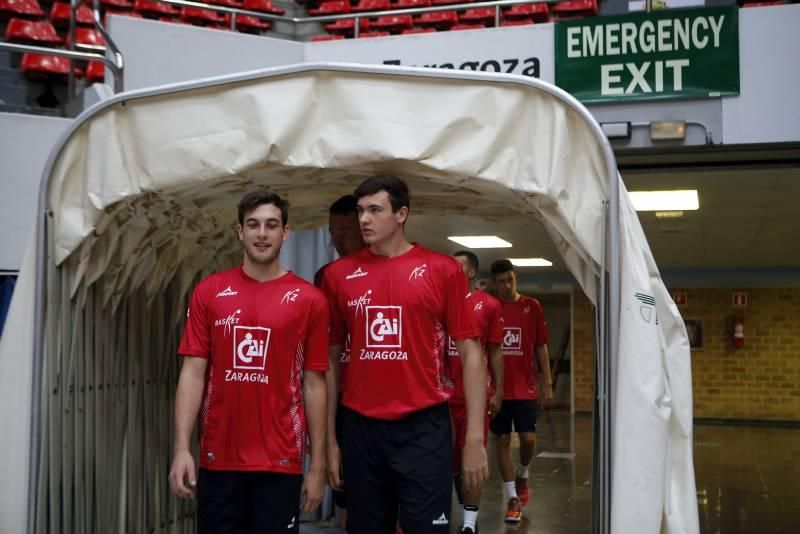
[524,338]
[488,314]
[346,238]
[398,301]
[254,360]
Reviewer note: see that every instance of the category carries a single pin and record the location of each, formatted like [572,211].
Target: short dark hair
[502,266]
[394,186]
[254,199]
[472,259]
[344,206]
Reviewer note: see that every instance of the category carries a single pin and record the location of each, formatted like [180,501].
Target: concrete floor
[748,481]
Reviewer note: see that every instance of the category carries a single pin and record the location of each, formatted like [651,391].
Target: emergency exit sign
[683,53]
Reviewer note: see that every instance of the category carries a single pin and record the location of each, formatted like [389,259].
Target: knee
[503,441]
[527,440]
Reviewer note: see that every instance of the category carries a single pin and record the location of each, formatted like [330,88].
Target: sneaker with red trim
[514,511]
[523,490]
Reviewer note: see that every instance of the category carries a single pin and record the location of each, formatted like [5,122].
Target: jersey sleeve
[315,347]
[460,318]
[495,323]
[196,339]
[540,325]
[337,332]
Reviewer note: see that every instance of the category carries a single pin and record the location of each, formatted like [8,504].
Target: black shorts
[248,502]
[522,413]
[402,465]
[339,498]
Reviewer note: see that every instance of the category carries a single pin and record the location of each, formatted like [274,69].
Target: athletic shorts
[248,502]
[398,466]
[339,498]
[522,413]
[458,413]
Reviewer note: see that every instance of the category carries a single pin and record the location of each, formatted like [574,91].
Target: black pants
[398,466]
[248,502]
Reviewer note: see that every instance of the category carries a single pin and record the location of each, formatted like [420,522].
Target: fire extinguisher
[736,330]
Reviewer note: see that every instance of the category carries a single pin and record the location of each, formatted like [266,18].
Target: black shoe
[467,530]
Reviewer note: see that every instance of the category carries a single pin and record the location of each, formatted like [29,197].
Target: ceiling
[747,219]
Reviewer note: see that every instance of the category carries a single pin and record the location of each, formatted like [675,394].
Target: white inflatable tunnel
[137,203]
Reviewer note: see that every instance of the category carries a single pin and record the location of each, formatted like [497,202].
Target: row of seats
[561,10]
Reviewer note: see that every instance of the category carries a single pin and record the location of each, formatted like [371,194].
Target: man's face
[263,234]
[506,284]
[345,233]
[377,220]
[469,272]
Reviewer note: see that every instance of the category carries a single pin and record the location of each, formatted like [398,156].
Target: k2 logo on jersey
[250,346]
[418,272]
[512,338]
[290,296]
[479,306]
[384,326]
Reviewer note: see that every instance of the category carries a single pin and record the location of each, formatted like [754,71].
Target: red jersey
[258,338]
[490,322]
[523,329]
[344,356]
[398,312]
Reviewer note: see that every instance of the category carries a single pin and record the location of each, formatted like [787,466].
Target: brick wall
[759,381]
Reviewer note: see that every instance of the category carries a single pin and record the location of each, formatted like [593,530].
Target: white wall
[25,143]
[512,49]
[158,53]
[767,109]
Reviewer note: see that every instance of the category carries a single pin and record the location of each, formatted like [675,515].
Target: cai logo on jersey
[250,346]
[512,338]
[384,326]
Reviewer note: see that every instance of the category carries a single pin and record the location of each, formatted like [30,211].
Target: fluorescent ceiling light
[530,262]
[685,200]
[480,241]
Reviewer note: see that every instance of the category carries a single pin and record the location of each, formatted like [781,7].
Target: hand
[182,469]
[547,397]
[313,489]
[335,466]
[495,403]
[475,467]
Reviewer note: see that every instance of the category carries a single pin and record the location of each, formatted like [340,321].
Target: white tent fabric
[143,193]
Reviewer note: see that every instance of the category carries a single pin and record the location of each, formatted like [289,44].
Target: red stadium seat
[535,12]
[39,67]
[374,34]
[117,4]
[394,23]
[40,33]
[448,2]
[247,23]
[26,9]
[413,31]
[201,17]
[331,7]
[346,26]
[575,9]
[95,72]
[320,38]
[372,5]
[227,3]
[483,15]
[519,22]
[408,4]
[154,9]
[459,27]
[264,6]
[89,36]
[441,20]
[60,14]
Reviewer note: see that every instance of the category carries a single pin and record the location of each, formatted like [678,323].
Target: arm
[315,399]
[544,367]
[334,452]
[187,404]
[496,364]
[475,465]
